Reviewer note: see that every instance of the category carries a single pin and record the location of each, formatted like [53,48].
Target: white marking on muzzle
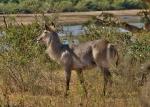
[37,41]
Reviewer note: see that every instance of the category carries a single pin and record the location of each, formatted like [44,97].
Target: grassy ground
[50,93]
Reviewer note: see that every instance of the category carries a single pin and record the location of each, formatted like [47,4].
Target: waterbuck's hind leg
[67,79]
[107,78]
[81,79]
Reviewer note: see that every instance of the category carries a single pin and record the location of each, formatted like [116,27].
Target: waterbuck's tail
[112,54]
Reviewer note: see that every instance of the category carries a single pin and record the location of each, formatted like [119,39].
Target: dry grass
[52,88]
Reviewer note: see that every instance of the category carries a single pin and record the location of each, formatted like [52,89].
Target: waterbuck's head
[47,35]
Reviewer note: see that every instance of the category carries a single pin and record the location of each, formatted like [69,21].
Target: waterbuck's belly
[83,64]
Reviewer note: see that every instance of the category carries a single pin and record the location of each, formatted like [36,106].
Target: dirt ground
[64,18]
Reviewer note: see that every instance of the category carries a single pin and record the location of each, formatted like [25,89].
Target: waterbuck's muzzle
[38,39]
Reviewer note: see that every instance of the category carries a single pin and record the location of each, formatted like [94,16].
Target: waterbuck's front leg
[67,79]
[81,79]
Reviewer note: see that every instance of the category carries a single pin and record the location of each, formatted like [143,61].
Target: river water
[76,30]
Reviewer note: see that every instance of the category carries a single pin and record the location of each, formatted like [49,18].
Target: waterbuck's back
[90,53]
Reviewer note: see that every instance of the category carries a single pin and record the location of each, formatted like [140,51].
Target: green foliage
[38,6]
[130,4]
[22,60]
[140,48]
[22,41]
[64,6]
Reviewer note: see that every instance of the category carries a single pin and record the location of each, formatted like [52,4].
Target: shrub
[129,4]
[23,61]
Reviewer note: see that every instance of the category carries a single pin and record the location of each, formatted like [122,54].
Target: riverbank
[70,17]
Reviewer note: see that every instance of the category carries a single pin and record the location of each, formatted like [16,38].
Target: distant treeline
[49,6]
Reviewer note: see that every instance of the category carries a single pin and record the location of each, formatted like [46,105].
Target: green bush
[22,62]
[130,4]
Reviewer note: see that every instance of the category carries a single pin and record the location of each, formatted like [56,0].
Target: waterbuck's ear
[50,28]
[47,27]
[52,24]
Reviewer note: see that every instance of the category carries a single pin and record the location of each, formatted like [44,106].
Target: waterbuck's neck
[54,47]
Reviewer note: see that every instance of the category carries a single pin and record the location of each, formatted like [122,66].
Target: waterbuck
[97,53]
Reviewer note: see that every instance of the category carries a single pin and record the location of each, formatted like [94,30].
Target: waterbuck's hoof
[66,95]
